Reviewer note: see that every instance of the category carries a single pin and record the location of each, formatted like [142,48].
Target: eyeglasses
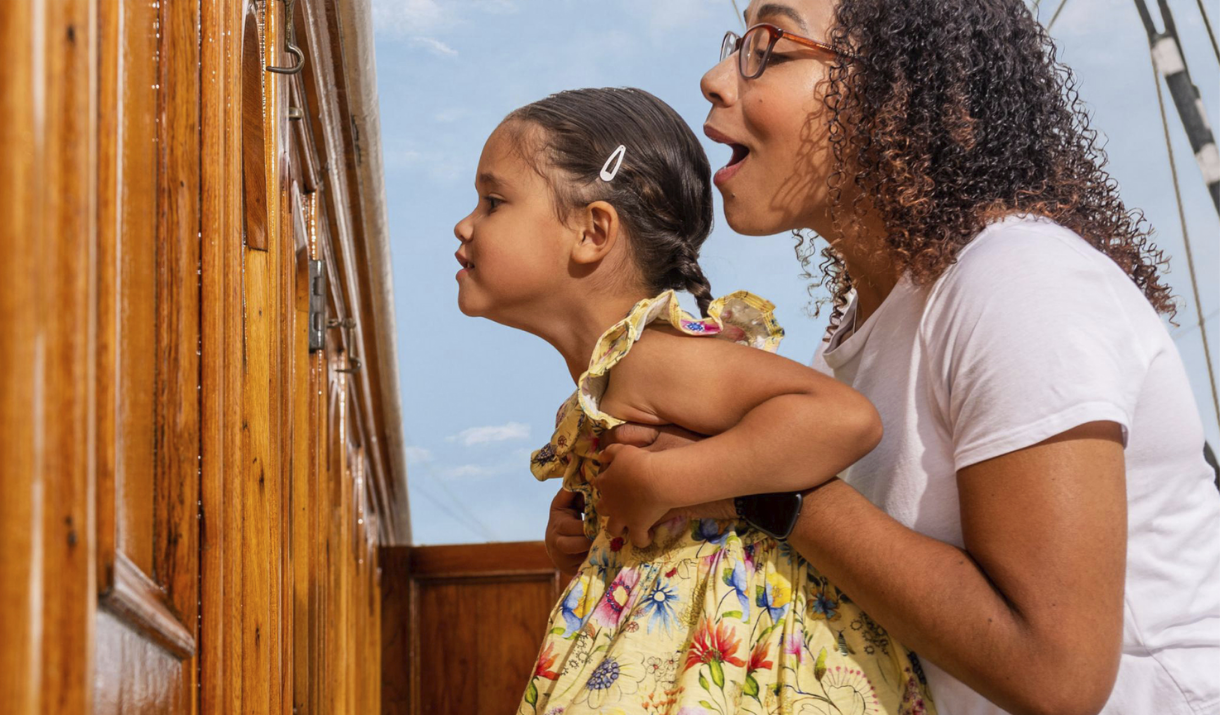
[754,47]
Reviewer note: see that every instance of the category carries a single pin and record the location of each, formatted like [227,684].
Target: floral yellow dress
[713,617]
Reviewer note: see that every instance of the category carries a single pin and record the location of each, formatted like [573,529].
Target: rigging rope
[1190,260]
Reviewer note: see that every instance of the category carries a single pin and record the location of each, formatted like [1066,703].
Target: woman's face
[776,125]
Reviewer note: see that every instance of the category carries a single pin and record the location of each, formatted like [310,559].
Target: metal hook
[289,36]
[293,49]
[355,365]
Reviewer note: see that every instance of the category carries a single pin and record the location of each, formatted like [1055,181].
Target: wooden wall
[193,498]
[461,625]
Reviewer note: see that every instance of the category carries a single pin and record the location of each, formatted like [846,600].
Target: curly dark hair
[951,113]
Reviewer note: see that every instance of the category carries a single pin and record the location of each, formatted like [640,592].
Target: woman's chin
[751,223]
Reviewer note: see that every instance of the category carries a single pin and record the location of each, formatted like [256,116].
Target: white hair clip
[608,173]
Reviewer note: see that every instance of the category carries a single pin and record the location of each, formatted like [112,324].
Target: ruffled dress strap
[741,317]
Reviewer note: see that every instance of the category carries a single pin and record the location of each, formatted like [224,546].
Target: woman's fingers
[568,501]
[633,434]
[572,545]
[573,526]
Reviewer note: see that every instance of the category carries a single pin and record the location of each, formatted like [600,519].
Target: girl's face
[513,253]
[776,125]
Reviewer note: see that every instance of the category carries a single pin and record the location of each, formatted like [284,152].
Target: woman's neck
[866,260]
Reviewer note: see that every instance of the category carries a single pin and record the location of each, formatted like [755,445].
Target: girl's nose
[464,229]
[719,84]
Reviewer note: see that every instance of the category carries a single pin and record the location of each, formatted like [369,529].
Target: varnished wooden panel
[461,625]
[189,517]
[135,677]
[47,104]
[147,427]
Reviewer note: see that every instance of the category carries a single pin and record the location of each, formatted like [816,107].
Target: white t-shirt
[1031,333]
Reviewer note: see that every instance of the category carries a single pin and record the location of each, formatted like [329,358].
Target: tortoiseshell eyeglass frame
[733,42]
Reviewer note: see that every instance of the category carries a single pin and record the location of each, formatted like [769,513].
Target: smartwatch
[773,514]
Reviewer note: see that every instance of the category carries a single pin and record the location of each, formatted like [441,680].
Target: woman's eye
[778,58]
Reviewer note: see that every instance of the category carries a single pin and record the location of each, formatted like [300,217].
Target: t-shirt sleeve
[1026,339]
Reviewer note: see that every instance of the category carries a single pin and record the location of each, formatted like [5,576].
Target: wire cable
[1190,260]
[1054,17]
[1211,35]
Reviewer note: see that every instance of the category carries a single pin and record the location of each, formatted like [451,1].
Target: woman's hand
[566,542]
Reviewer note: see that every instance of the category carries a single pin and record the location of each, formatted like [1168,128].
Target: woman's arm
[1029,614]
[777,426]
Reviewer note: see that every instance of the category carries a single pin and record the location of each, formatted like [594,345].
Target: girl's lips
[467,264]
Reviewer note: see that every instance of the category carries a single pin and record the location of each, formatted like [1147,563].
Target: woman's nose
[719,83]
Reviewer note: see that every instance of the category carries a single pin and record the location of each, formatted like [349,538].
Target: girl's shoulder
[739,317]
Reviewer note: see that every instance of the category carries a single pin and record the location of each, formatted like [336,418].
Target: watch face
[773,514]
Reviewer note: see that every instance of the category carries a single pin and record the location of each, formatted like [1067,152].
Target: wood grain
[190,521]
[461,625]
[141,606]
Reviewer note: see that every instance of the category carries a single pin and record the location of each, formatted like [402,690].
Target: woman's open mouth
[740,152]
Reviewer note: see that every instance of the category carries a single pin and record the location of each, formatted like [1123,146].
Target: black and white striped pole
[1167,56]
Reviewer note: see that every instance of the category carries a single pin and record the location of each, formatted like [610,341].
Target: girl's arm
[776,425]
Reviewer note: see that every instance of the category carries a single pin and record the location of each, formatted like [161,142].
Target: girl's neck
[575,329]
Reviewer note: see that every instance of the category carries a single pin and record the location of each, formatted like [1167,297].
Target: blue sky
[478,397]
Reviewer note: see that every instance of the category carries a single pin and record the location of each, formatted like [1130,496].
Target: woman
[1038,522]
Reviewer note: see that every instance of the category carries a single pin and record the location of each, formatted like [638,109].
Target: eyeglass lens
[753,50]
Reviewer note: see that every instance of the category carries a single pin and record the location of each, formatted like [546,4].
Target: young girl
[593,205]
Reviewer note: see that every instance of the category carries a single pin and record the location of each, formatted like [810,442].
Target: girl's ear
[599,231]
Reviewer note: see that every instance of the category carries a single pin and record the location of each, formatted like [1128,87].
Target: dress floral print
[713,617]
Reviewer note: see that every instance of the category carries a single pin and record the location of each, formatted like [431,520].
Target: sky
[478,398]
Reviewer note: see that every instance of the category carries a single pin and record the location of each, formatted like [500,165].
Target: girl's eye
[492,202]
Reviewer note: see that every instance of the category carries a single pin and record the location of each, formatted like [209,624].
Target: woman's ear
[599,231]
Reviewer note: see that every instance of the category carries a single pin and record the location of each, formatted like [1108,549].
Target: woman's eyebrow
[783,11]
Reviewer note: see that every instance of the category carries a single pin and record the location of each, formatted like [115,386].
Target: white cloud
[495,433]
[434,46]
[418,455]
[451,115]
[466,470]
[408,17]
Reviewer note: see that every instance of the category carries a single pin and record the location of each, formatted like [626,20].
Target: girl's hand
[632,499]
[659,439]
[566,543]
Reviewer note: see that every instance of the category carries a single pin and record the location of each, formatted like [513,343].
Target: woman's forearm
[810,446]
[936,600]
